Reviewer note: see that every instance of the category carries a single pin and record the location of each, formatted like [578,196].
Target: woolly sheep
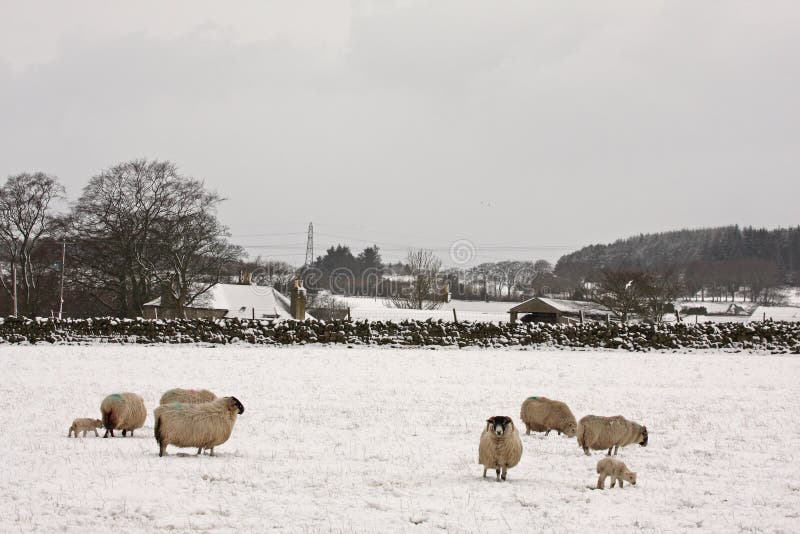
[84,425]
[203,425]
[189,396]
[123,411]
[598,433]
[500,446]
[541,414]
[618,471]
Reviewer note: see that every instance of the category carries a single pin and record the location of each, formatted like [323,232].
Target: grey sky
[514,125]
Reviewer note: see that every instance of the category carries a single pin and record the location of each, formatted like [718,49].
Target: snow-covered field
[371,440]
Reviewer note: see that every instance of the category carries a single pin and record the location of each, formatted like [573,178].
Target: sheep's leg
[124,432]
[96,434]
[484,471]
[620,483]
[83,434]
[199,451]
[547,432]
[559,432]
[601,482]
[212,452]
[616,449]
[613,481]
[586,451]
[69,434]
[505,472]
[609,450]
[162,449]
[131,433]
[497,473]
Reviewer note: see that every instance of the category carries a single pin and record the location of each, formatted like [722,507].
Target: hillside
[683,247]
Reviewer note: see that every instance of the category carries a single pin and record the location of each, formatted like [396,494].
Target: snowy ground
[370,440]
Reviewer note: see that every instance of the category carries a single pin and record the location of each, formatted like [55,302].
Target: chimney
[298,301]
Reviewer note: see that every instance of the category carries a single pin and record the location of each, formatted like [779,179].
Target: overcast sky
[528,128]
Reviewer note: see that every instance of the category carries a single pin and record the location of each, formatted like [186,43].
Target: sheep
[188,396]
[203,425]
[84,425]
[541,414]
[598,433]
[123,411]
[500,446]
[618,471]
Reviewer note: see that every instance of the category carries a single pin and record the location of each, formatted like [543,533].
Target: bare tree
[25,217]
[658,291]
[141,228]
[619,291]
[423,291]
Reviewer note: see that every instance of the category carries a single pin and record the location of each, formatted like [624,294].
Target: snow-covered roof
[240,300]
[562,306]
[776,313]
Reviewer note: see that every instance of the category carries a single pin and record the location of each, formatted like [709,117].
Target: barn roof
[239,300]
[542,304]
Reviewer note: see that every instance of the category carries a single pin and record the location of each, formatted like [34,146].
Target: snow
[240,300]
[776,313]
[380,309]
[385,440]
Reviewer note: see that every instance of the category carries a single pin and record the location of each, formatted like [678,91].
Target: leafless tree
[25,218]
[658,290]
[620,292]
[423,291]
[142,228]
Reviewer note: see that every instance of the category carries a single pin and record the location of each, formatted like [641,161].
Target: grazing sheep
[84,425]
[500,446]
[541,414]
[123,411]
[188,396]
[203,425]
[618,471]
[598,433]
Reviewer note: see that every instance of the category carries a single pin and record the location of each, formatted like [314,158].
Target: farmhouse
[243,301]
[544,310]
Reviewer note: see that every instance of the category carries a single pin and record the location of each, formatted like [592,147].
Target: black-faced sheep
[123,411]
[203,425]
[84,425]
[500,446]
[599,433]
[618,471]
[189,396]
[541,414]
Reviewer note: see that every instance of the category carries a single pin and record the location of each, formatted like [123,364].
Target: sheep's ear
[490,420]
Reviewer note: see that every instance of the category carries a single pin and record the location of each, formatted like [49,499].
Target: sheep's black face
[239,406]
[643,443]
[500,424]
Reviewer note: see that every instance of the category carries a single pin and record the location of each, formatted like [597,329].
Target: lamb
[204,425]
[618,471]
[598,433]
[188,396]
[500,446]
[123,411]
[84,425]
[541,414]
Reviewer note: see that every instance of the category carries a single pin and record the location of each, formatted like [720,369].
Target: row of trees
[140,229]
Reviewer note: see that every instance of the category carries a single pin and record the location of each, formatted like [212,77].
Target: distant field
[372,440]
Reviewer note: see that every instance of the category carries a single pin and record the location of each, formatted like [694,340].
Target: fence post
[349,317]
[455,317]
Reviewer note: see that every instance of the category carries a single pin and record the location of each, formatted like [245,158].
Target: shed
[544,310]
